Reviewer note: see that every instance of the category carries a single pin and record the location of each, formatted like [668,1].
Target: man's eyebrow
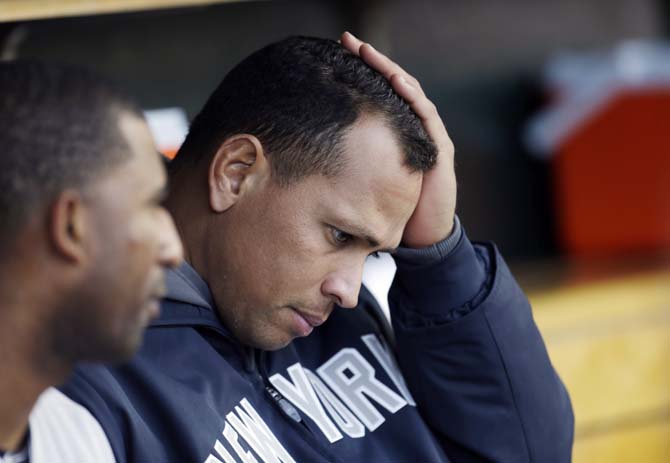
[365,235]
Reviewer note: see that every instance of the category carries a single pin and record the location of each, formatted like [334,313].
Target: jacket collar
[189,301]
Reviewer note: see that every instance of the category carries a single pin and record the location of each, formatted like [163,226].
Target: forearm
[475,360]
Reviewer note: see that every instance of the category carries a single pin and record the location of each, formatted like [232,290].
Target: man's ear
[237,165]
[67,226]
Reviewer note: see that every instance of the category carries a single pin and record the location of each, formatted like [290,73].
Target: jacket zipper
[288,410]
[254,364]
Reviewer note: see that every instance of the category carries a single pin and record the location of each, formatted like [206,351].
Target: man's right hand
[433,218]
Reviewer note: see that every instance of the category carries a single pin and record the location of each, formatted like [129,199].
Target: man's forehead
[372,152]
[375,194]
[146,166]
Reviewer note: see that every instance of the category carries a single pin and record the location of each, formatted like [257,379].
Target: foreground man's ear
[237,165]
[66,226]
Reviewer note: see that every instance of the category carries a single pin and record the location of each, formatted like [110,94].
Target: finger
[374,58]
[404,84]
[385,66]
[379,62]
[425,109]
[422,106]
[351,43]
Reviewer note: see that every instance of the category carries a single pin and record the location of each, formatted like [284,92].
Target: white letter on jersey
[221,450]
[346,420]
[231,436]
[302,395]
[254,430]
[359,382]
[389,364]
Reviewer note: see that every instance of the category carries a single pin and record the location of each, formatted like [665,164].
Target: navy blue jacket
[476,381]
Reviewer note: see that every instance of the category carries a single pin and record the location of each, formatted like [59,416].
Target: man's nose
[343,286]
[171,252]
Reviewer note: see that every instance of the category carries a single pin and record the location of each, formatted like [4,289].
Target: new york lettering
[342,399]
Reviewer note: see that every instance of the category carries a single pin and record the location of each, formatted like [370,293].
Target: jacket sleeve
[475,361]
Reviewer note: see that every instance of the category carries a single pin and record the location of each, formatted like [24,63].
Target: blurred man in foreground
[309,157]
[84,243]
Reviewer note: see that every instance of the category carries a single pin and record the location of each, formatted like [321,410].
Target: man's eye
[341,237]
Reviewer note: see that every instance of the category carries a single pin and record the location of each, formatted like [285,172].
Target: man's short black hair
[298,96]
[58,129]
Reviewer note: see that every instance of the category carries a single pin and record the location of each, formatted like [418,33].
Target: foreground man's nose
[171,249]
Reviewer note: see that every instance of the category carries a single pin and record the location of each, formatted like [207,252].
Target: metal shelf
[22,10]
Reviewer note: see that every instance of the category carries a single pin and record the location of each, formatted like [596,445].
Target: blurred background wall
[479,60]
[605,316]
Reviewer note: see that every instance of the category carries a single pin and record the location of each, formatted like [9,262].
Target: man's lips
[313,320]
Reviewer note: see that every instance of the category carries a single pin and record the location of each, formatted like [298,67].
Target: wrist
[429,235]
[433,253]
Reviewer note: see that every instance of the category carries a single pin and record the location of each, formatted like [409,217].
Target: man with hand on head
[85,241]
[310,156]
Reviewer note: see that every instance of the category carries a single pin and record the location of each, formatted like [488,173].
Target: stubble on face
[274,252]
[104,316]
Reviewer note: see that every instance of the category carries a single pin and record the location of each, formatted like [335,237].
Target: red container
[612,176]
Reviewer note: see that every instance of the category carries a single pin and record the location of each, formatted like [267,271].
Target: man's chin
[122,352]
[266,341]
[125,345]
[109,351]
